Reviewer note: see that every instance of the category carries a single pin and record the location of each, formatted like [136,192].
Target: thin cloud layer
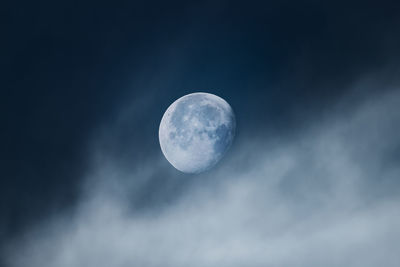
[327,196]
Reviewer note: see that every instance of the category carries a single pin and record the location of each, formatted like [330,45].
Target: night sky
[312,177]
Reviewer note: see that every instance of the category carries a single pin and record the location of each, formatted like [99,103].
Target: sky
[312,176]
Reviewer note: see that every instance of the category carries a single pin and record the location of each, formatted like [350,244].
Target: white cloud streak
[324,197]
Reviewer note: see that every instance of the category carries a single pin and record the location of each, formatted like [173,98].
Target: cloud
[324,196]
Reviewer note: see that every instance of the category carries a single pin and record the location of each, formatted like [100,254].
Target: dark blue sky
[68,68]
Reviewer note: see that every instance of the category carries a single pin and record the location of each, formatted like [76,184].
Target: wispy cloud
[327,196]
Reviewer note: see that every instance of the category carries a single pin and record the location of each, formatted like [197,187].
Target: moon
[196,131]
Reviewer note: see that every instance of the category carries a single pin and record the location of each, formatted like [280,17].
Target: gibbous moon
[196,131]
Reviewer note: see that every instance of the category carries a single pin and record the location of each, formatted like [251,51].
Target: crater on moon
[196,131]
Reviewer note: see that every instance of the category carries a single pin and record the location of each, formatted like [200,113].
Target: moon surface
[196,131]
